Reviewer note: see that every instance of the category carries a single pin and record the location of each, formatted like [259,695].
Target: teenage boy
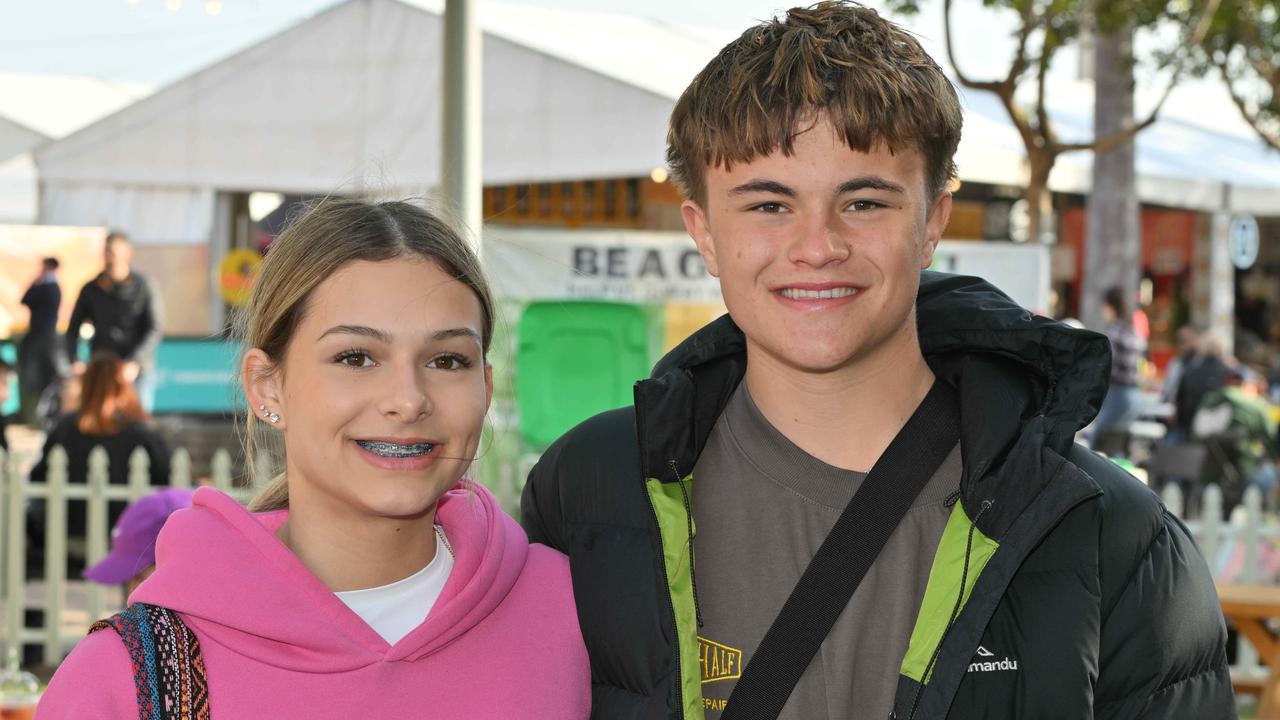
[856,429]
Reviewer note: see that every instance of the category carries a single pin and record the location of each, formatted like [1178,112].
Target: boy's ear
[695,222]
[262,386]
[935,224]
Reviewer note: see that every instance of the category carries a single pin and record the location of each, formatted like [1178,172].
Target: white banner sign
[1021,271]
[622,265]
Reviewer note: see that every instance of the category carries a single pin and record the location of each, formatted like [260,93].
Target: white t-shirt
[396,609]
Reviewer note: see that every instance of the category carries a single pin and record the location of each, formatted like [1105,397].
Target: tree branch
[1042,109]
[1019,64]
[1259,58]
[1204,22]
[1030,140]
[1201,31]
[965,80]
[1254,121]
[1114,140]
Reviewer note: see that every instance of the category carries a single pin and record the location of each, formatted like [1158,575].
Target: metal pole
[460,173]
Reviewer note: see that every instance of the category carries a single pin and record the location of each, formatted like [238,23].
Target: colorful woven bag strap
[168,667]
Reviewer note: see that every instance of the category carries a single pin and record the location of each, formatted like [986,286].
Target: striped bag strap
[168,667]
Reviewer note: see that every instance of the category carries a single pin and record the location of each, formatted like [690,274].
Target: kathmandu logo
[984,661]
[719,662]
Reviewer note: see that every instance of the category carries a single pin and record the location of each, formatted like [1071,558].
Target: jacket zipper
[662,557]
[1041,534]
[964,576]
[671,606]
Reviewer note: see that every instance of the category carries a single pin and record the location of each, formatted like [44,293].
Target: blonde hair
[325,238]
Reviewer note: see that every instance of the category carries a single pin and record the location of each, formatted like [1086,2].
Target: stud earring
[262,408]
[272,416]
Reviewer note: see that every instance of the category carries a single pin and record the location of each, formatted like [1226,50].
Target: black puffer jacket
[1083,597]
[126,316]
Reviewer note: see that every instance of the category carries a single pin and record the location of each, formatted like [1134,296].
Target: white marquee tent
[35,109]
[349,100]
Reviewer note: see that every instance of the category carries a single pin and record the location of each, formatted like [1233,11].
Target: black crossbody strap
[845,556]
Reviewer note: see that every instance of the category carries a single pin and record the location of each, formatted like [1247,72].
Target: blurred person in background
[1273,378]
[1273,385]
[1234,422]
[39,359]
[6,376]
[109,416]
[1128,349]
[1188,344]
[371,578]
[1203,371]
[1141,323]
[132,558]
[124,309]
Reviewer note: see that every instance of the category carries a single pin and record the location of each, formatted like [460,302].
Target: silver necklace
[444,540]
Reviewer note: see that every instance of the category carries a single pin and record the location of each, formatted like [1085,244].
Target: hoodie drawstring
[688,514]
[964,577]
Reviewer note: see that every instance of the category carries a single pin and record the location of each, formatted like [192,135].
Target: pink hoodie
[501,642]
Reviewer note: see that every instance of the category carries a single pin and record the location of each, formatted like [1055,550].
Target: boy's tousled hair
[869,77]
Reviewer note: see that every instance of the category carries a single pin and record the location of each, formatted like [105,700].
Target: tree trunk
[1112,248]
[1039,200]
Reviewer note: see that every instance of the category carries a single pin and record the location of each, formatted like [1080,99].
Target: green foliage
[1110,15]
[1057,23]
[1243,45]
[1046,26]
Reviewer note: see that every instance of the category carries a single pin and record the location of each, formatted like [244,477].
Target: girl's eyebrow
[376,334]
[455,332]
[385,337]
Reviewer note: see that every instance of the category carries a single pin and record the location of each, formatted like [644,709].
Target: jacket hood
[1018,375]
[233,581]
[1039,369]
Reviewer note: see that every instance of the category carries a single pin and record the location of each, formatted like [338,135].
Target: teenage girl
[371,578]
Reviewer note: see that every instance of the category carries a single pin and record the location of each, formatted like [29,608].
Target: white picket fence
[1245,549]
[502,473]
[97,491]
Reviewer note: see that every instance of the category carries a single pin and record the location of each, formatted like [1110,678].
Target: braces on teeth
[386,449]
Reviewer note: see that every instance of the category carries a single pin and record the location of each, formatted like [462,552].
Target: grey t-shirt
[762,506]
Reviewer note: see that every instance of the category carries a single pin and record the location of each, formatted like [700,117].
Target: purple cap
[133,541]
